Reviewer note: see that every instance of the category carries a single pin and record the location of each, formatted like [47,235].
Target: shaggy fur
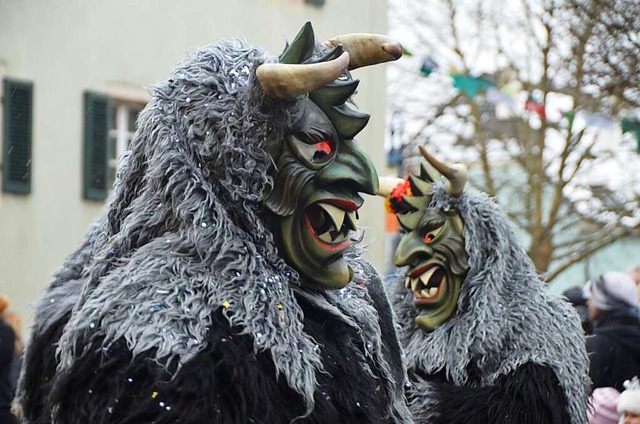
[505,319]
[183,250]
[502,402]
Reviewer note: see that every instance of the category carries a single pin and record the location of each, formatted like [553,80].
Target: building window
[123,125]
[109,124]
[17,120]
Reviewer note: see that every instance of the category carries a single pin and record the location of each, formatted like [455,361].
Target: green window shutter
[17,136]
[97,119]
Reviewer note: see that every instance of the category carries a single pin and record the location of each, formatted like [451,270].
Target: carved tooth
[352,220]
[407,282]
[414,284]
[424,293]
[326,237]
[339,238]
[336,214]
[433,291]
[426,276]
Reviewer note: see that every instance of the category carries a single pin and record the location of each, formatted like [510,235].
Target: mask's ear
[301,48]
[429,173]
[332,100]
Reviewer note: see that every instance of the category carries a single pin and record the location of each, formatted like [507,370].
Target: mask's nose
[411,249]
[351,166]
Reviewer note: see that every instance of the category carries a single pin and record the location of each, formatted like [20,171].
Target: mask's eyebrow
[315,132]
[431,220]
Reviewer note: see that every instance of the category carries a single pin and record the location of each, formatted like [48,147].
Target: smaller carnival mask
[432,246]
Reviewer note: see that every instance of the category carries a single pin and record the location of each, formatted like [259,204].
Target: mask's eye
[432,234]
[314,155]
[324,150]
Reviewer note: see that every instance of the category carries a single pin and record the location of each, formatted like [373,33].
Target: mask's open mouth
[329,222]
[426,283]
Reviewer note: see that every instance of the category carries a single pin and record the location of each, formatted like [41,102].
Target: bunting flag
[495,96]
[428,66]
[632,125]
[394,157]
[535,107]
[506,95]
[570,116]
[469,85]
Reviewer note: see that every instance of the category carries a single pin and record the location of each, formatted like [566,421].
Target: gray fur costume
[181,274]
[505,320]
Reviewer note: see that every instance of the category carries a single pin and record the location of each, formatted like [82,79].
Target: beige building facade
[117,47]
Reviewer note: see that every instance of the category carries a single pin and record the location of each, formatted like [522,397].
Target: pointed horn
[455,173]
[367,49]
[387,184]
[285,81]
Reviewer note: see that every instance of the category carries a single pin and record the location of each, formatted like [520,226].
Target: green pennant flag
[469,85]
[427,67]
[632,125]
[569,116]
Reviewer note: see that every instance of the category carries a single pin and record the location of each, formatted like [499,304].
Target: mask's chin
[333,277]
[435,295]
[315,240]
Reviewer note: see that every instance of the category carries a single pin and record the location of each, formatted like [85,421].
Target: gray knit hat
[612,290]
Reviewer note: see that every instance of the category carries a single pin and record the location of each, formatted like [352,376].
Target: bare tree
[551,151]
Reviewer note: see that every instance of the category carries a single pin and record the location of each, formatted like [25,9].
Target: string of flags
[472,86]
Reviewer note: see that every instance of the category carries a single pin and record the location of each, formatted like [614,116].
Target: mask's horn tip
[387,184]
[393,48]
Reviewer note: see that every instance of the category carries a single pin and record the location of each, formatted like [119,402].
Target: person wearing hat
[7,351]
[575,296]
[614,347]
[602,409]
[629,403]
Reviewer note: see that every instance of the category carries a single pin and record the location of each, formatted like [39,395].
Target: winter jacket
[614,349]
[7,342]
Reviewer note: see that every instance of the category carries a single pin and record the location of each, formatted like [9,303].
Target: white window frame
[125,97]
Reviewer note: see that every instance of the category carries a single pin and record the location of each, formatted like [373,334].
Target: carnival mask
[432,246]
[320,170]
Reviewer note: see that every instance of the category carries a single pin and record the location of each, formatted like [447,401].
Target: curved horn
[366,49]
[387,184]
[284,81]
[455,173]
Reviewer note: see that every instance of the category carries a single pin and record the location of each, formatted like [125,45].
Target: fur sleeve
[530,395]
[390,342]
[225,383]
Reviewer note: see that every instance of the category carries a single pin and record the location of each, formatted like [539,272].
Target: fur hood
[184,236]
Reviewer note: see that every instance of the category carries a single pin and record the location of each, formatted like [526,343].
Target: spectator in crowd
[602,408]
[629,403]
[576,298]
[614,346]
[15,322]
[7,354]
[634,272]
